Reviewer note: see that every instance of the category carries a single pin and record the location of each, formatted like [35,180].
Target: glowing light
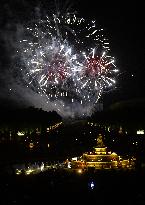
[140,132]
[42,167]
[18,172]
[74,158]
[80,171]
[69,165]
[92,185]
[31,145]
[113,153]
[29,171]
[20,133]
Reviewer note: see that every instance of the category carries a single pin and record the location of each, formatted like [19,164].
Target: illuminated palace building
[101,158]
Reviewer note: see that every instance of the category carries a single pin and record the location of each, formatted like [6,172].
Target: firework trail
[66,59]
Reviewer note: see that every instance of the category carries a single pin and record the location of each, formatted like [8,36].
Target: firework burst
[66,59]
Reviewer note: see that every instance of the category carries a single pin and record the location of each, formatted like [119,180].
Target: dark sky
[123,23]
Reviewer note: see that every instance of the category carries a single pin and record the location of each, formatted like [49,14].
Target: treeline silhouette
[28,117]
[128,113]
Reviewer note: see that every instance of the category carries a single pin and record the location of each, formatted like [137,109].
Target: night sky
[123,23]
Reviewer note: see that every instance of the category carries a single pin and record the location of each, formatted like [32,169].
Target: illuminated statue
[100,141]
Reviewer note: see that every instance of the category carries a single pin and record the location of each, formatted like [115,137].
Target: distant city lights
[54,126]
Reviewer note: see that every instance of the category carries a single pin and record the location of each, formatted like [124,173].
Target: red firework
[93,66]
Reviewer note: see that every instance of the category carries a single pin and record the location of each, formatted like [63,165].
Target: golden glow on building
[101,158]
